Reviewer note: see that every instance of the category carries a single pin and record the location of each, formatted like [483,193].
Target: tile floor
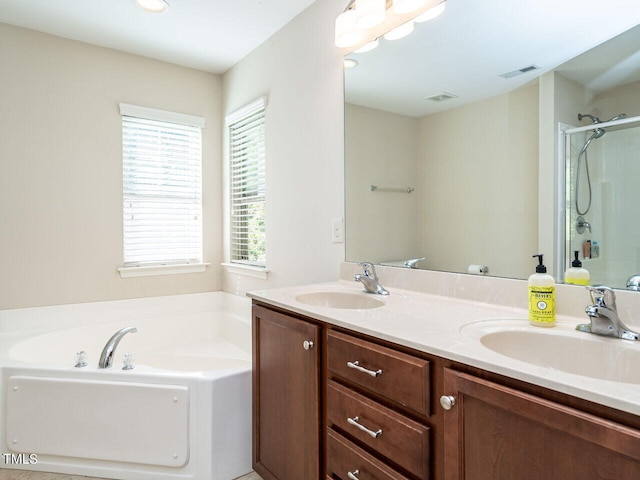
[6,474]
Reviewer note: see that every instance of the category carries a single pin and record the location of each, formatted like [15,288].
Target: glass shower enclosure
[602,189]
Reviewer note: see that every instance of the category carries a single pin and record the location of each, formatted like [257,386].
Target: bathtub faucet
[106,357]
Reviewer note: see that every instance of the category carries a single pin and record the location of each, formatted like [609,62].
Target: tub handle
[307,344]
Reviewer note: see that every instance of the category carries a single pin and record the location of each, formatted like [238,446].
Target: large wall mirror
[454,144]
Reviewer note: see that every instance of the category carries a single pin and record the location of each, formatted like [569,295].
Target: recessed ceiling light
[350,63]
[153,6]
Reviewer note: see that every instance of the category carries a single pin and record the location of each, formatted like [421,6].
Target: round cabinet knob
[307,344]
[447,401]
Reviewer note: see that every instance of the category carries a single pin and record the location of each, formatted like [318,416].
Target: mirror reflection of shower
[597,133]
[602,171]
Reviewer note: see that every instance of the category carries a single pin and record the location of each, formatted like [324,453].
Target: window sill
[147,271]
[247,270]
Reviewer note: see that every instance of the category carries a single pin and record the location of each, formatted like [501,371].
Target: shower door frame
[563,163]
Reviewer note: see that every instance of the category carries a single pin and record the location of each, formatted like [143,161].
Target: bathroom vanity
[401,391]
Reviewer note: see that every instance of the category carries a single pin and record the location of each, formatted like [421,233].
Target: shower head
[597,120]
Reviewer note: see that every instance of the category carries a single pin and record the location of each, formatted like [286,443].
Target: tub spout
[106,357]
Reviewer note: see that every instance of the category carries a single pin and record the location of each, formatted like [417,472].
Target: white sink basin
[340,300]
[564,349]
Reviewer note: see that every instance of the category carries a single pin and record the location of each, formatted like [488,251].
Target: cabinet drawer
[398,438]
[343,457]
[398,376]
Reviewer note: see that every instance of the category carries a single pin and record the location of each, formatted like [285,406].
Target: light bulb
[368,46]
[431,13]
[153,6]
[399,32]
[370,13]
[407,6]
[346,32]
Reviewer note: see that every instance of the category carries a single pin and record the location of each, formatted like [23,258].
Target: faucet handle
[603,296]
[369,269]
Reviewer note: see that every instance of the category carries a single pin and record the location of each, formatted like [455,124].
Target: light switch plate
[337,230]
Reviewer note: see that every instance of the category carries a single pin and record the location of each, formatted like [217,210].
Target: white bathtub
[183,412]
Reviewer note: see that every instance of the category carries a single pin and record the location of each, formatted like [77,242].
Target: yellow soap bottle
[542,297]
[576,274]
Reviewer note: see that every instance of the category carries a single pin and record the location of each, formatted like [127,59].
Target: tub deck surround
[438,323]
[191,384]
[13,475]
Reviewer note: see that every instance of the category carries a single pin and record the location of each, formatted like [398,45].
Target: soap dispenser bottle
[542,297]
[576,274]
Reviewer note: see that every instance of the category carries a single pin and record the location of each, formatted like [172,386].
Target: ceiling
[210,35]
[464,51]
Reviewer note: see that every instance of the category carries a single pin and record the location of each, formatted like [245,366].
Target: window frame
[161,266]
[253,112]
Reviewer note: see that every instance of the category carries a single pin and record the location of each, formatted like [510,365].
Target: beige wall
[475,173]
[300,72]
[61,167]
[623,99]
[479,179]
[382,149]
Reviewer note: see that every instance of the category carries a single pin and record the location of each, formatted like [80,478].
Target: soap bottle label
[542,307]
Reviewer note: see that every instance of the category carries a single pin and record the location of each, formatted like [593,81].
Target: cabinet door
[497,433]
[286,414]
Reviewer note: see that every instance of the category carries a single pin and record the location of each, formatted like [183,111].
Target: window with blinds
[162,187]
[247,184]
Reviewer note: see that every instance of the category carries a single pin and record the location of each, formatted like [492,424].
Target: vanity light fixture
[347,35]
[370,13]
[153,6]
[367,19]
[400,32]
[407,6]
[431,13]
[368,46]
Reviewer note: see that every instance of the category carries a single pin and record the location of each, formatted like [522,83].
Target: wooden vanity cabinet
[286,396]
[493,432]
[316,385]
[377,401]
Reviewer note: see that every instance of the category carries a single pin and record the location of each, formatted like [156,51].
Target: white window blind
[162,187]
[247,184]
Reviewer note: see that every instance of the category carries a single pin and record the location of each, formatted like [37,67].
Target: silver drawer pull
[354,421]
[353,475]
[357,366]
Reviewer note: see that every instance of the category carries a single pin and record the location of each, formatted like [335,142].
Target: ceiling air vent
[515,73]
[441,97]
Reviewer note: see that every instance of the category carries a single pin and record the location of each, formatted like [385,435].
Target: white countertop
[446,326]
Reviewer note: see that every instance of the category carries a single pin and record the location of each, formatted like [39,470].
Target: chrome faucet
[633,283]
[106,357]
[412,262]
[604,316]
[369,279]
